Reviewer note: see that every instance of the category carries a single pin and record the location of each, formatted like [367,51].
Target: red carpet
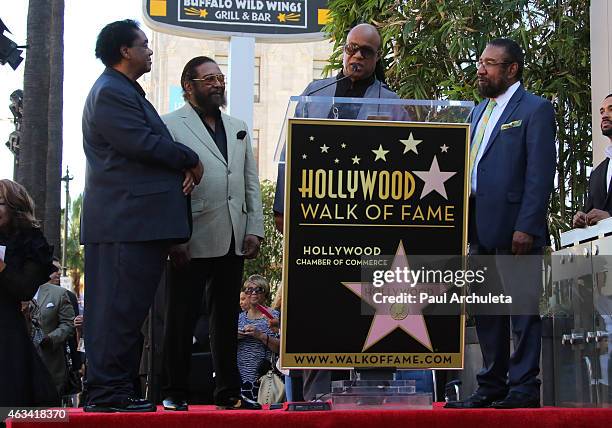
[208,417]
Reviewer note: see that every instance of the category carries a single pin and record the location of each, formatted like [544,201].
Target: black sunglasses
[366,51]
[253,290]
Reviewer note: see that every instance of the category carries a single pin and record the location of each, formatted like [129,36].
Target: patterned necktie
[480,135]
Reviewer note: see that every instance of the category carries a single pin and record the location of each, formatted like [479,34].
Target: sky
[83,21]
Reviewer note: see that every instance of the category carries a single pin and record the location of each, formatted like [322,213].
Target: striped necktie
[480,135]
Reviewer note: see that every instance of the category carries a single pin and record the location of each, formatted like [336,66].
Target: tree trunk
[31,171]
[54,149]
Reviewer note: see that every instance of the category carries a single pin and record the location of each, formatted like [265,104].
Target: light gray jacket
[228,199]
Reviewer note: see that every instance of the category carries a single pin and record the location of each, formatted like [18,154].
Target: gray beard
[210,103]
[493,91]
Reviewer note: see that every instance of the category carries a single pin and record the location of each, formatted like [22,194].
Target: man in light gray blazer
[55,315]
[227,228]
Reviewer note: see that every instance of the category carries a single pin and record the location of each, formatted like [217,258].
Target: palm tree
[54,148]
[31,171]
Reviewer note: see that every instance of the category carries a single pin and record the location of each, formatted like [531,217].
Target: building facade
[281,70]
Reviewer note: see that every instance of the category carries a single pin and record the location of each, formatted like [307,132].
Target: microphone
[354,68]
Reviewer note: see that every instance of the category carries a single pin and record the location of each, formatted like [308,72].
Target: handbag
[36,333]
[271,386]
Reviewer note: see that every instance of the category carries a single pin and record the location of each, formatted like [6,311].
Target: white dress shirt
[502,102]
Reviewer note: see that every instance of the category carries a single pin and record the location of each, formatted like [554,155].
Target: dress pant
[503,372]
[218,281]
[121,279]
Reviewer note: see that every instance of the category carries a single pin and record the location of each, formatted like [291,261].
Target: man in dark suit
[135,207]
[512,167]
[599,204]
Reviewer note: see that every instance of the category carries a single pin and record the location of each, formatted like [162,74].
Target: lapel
[193,122]
[43,296]
[510,107]
[230,135]
[319,109]
[373,91]
[478,111]
[603,184]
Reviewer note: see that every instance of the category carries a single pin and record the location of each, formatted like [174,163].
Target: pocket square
[240,135]
[514,124]
[50,305]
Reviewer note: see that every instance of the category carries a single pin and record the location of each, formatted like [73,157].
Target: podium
[371,186]
[580,302]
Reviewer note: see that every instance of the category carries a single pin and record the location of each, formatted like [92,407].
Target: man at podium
[599,205]
[362,76]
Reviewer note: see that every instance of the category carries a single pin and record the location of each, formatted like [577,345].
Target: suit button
[229,198]
[229,172]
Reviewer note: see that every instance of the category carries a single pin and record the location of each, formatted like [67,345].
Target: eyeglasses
[488,63]
[253,290]
[211,79]
[366,51]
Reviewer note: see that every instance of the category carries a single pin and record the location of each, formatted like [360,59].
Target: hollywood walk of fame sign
[366,196]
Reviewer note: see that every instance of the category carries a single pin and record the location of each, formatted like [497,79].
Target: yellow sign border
[288,358]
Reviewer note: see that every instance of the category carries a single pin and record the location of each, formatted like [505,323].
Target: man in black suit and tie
[599,204]
[135,207]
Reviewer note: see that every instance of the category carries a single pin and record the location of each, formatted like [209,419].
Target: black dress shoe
[517,400]
[129,405]
[474,401]
[171,403]
[238,403]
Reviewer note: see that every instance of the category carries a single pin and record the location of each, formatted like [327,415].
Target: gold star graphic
[203,13]
[343,145]
[281,17]
[336,160]
[311,138]
[324,148]
[444,148]
[411,144]
[380,153]
[356,160]
[304,156]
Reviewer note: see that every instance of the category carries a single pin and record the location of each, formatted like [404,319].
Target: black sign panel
[364,196]
[280,20]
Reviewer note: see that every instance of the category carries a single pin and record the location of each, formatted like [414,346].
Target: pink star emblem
[409,318]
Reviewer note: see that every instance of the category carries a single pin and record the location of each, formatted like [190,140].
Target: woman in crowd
[25,263]
[257,342]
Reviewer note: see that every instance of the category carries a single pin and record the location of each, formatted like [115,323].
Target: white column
[601,69]
[241,78]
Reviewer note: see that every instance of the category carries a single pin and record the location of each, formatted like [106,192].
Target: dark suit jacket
[598,196]
[134,170]
[516,172]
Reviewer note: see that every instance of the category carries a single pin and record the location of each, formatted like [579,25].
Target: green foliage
[75,257]
[430,48]
[269,261]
